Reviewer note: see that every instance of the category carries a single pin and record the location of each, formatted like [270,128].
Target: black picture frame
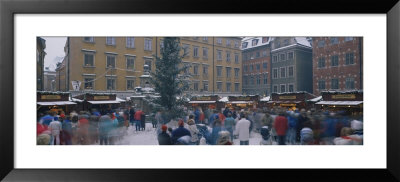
[9,8]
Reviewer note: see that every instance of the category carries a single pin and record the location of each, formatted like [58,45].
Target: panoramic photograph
[199,90]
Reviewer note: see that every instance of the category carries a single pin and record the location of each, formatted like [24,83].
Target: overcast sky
[54,51]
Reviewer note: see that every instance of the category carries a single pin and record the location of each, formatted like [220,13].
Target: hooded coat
[242,129]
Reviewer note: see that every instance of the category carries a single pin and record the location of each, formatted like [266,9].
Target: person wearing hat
[194,132]
[163,137]
[179,132]
[224,138]
[242,129]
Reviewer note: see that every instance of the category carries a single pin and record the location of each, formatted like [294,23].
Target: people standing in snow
[229,124]
[105,126]
[224,138]
[179,132]
[138,117]
[243,129]
[217,127]
[143,121]
[281,126]
[55,128]
[163,137]
[194,132]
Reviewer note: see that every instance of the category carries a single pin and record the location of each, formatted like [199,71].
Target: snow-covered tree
[168,79]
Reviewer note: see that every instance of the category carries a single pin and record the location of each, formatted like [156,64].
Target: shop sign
[243,98]
[203,98]
[290,105]
[344,96]
[101,97]
[50,97]
[292,97]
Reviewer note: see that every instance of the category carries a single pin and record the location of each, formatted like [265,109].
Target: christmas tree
[169,80]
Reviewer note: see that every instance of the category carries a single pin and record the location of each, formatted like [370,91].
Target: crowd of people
[279,126]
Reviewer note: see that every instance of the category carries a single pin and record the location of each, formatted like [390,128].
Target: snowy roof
[142,76]
[342,92]
[201,101]
[56,103]
[75,100]
[120,100]
[265,99]
[104,102]
[339,102]
[249,41]
[224,99]
[316,99]
[147,89]
[303,41]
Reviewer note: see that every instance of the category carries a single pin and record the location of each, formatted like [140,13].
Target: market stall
[263,103]
[350,101]
[290,100]
[242,102]
[99,101]
[54,101]
[206,102]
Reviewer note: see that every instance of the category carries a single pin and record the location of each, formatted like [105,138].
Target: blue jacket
[179,132]
[196,116]
[214,134]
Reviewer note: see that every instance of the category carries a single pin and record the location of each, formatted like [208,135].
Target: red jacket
[281,125]
[138,115]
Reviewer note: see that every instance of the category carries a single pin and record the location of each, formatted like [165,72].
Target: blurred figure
[281,126]
[229,124]
[179,132]
[83,129]
[357,135]
[344,138]
[55,128]
[194,132]
[138,117]
[163,137]
[44,138]
[306,136]
[266,136]
[224,138]
[93,129]
[105,126]
[293,124]
[67,130]
[215,130]
[242,129]
[143,121]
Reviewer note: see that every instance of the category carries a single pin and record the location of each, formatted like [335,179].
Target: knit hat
[164,127]
[180,123]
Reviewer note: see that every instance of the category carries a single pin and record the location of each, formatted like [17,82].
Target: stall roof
[75,100]
[316,99]
[265,99]
[340,102]
[202,102]
[56,103]
[224,99]
[120,100]
[284,102]
[104,102]
[240,102]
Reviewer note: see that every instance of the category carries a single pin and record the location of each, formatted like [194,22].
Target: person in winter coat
[301,120]
[83,129]
[163,137]
[105,126]
[39,128]
[132,115]
[67,130]
[229,124]
[138,117]
[47,119]
[243,129]
[143,121]
[215,130]
[194,132]
[179,132]
[213,117]
[344,138]
[226,111]
[224,138]
[197,116]
[357,135]
[281,126]
[292,123]
[55,127]
[306,136]
[201,117]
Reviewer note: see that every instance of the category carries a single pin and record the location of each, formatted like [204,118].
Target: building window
[265,79]
[258,79]
[254,42]
[334,40]
[335,60]
[219,86]
[130,42]
[196,86]
[290,71]
[251,55]
[283,88]
[205,70]
[219,55]
[321,43]
[282,57]
[290,55]
[147,44]
[196,69]
[264,54]
[283,72]
[257,54]
[219,71]
[285,42]
[346,39]
[228,72]
[205,53]
[275,73]
[228,43]
[258,67]
[89,83]
[245,80]
[236,58]
[110,41]
[252,80]
[321,62]
[251,67]
[205,39]
[88,39]
[291,88]
[111,61]
[264,65]
[148,63]
[350,83]
[244,45]
[236,44]
[205,86]
[88,59]
[185,48]
[130,63]
[245,68]
[219,40]
[335,83]
[110,83]
[321,84]
[275,59]
[236,72]
[275,88]
[195,51]
[349,58]
[130,84]
[228,56]
[236,87]
[228,87]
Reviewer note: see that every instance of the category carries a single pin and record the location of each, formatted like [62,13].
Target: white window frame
[237,72]
[205,50]
[219,83]
[237,87]
[112,43]
[288,71]
[84,61]
[228,71]
[205,85]
[126,61]
[195,69]
[130,79]
[236,58]
[273,89]
[230,86]
[115,60]
[130,42]
[290,84]
[219,75]
[273,73]
[280,72]
[195,51]
[219,55]
[219,40]
[90,41]
[93,82]
[319,84]
[149,47]
[280,88]
[111,78]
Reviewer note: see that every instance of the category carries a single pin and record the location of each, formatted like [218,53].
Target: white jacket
[242,129]
[194,132]
[55,127]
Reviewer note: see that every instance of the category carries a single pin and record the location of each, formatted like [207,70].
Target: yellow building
[116,64]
